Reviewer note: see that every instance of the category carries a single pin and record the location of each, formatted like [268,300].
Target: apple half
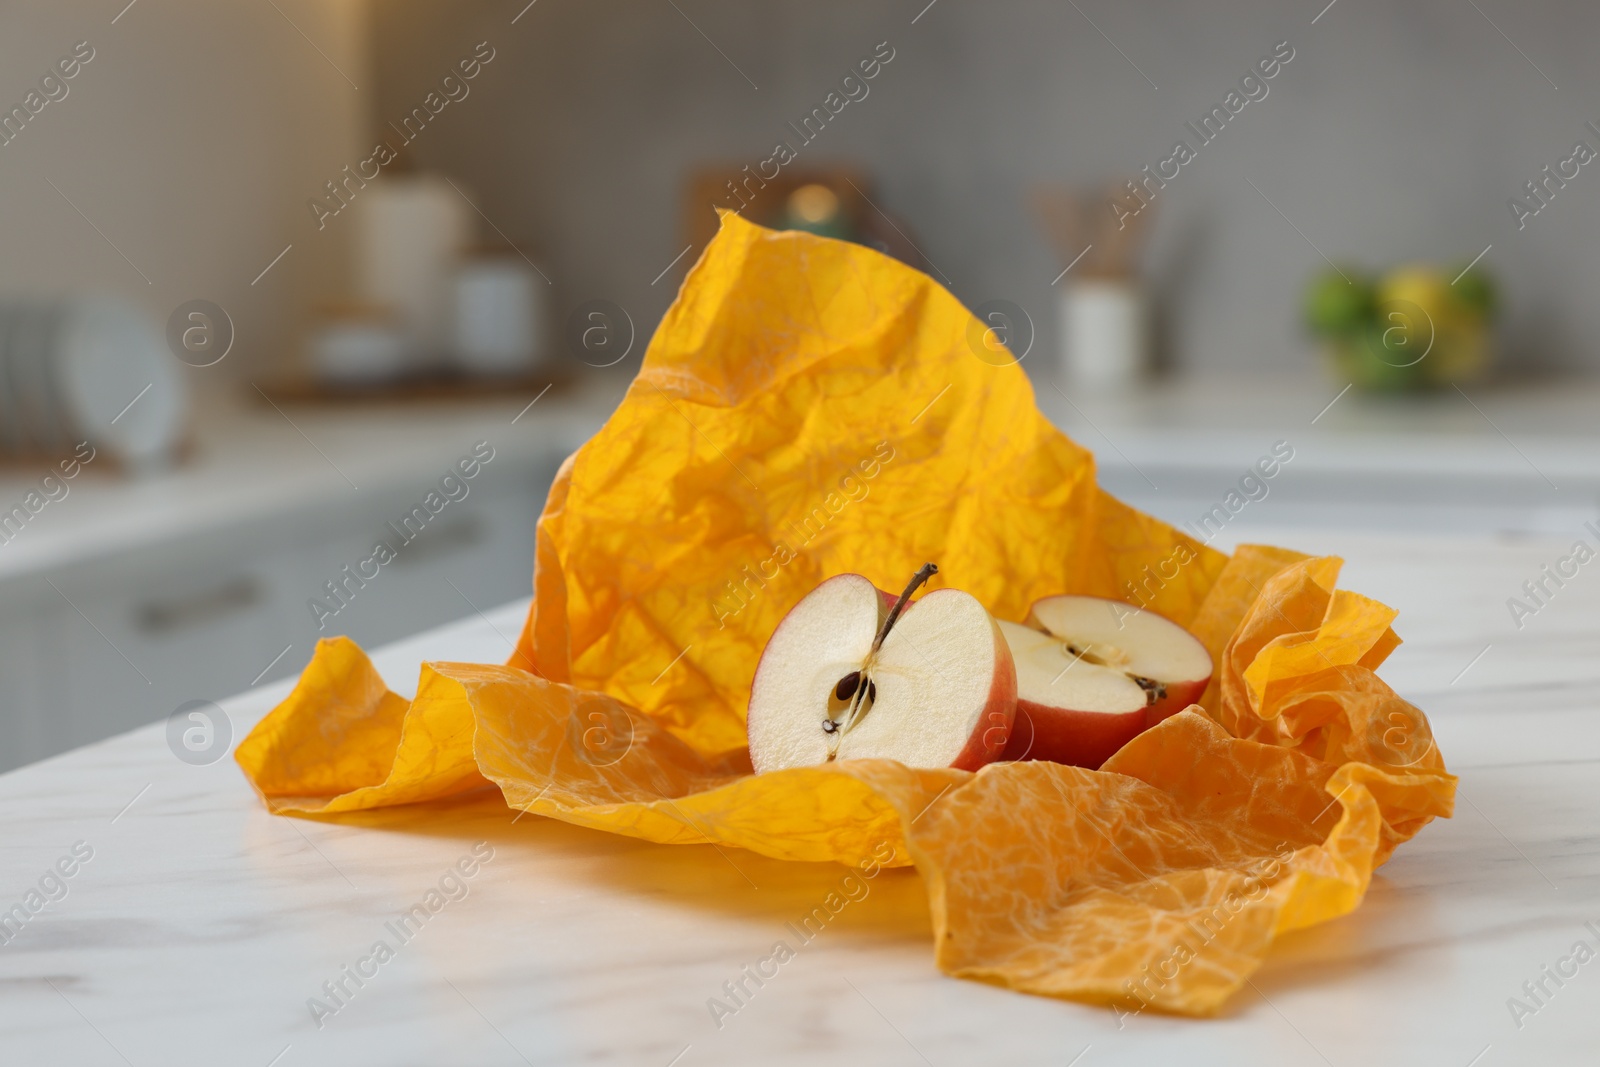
[845,676]
[1069,710]
[1166,660]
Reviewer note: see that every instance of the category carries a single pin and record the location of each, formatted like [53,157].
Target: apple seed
[1153,690]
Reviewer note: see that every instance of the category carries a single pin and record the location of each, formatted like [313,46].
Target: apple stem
[864,691]
[924,572]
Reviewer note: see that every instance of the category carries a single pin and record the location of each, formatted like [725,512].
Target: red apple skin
[1179,696]
[994,730]
[1078,738]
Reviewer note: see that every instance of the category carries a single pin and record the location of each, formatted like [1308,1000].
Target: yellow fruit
[1418,311]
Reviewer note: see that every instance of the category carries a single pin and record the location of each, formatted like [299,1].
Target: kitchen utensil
[1104,314]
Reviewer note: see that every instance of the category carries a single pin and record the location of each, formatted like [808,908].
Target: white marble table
[200,926]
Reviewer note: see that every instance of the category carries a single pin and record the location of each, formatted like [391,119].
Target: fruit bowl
[1413,329]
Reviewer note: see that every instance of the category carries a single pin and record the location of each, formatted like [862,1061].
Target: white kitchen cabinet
[474,554]
[25,692]
[129,639]
[174,623]
[129,599]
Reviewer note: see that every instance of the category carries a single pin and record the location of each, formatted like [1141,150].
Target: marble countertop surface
[198,926]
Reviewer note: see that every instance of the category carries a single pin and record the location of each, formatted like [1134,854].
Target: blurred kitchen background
[280,339]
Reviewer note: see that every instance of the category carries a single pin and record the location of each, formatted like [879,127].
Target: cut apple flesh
[939,692]
[1167,660]
[1069,710]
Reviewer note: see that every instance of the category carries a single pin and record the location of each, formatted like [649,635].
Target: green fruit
[1376,363]
[1336,306]
[1477,290]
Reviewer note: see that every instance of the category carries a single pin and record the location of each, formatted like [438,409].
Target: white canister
[411,232]
[498,320]
[1104,334]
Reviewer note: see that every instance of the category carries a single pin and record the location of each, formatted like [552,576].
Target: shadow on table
[730,882]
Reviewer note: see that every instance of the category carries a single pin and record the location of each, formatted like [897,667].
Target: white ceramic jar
[1104,334]
[411,229]
[498,320]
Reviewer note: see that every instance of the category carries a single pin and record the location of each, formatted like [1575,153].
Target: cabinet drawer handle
[226,598]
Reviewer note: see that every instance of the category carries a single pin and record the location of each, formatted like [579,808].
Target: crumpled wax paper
[810,407]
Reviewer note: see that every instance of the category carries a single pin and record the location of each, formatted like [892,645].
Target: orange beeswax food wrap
[809,407]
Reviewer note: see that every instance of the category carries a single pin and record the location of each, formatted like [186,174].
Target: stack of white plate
[92,369]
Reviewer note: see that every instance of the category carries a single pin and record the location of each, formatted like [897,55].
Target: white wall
[1397,132]
[192,140]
